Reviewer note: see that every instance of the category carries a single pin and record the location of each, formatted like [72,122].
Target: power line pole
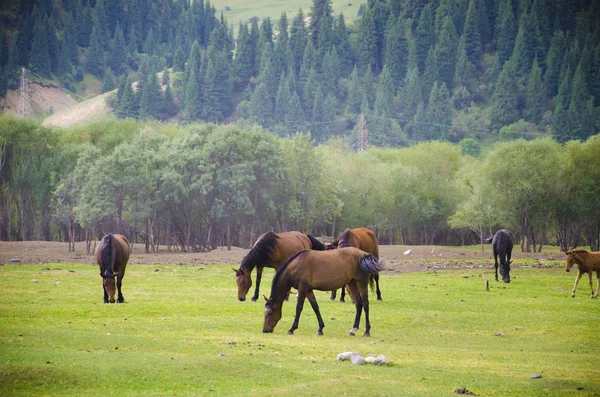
[25,104]
[363,134]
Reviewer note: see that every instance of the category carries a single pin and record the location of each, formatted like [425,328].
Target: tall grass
[183,332]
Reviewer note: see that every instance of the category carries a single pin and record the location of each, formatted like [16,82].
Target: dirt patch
[43,97]
[421,258]
[85,111]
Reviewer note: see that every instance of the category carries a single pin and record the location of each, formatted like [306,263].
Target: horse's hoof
[319,333]
[367,334]
[342,301]
[253,299]
[290,332]
[379,299]
[351,333]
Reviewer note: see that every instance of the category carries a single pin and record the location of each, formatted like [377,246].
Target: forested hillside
[456,70]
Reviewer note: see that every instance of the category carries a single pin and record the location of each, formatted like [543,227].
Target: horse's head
[109,285]
[505,271]
[570,260]
[244,282]
[272,315]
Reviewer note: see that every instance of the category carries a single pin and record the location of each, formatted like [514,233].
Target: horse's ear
[266,299]
[235,270]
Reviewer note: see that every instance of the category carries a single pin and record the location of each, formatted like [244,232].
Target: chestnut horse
[586,262]
[363,239]
[324,271]
[270,250]
[502,245]
[112,255]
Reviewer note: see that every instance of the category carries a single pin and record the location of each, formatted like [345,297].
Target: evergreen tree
[355,94]
[84,23]
[168,108]
[281,100]
[149,44]
[192,103]
[128,104]
[217,85]
[3,82]
[471,34]
[431,73]
[109,82]
[445,52]
[95,55]
[119,52]
[150,97]
[330,71]
[40,58]
[367,56]
[341,41]
[261,105]
[70,40]
[425,35]
[506,30]
[439,112]
[554,62]
[410,95]
[504,100]
[166,77]
[535,95]
[254,47]
[4,50]
[464,70]
[310,89]
[179,60]
[100,22]
[395,55]
[386,91]
[294,120]
[318,120]
[320,9]
[298,40]
[579,90]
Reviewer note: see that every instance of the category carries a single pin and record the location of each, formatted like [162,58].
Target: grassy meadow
[183,332]
[242,10]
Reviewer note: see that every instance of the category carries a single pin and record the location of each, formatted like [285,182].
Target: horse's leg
[313,302]
[376,277]
[333,294]
[120,298]
[496,264]
[105,293]
[597,283]
[590,274]
[258,277]
[299,307]
[343,295]
[364,296]
[579,274]
[358,304]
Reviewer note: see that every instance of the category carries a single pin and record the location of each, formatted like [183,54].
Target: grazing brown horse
[586,262]
[112,255]
[363,239]
[270,250]
[324,271]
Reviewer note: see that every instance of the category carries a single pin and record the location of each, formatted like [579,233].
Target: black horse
[502,244]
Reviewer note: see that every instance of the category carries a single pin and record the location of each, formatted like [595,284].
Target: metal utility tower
[25,103]
[363,134]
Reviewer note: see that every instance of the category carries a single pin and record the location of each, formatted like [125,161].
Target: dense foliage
[203,185]
[448,70]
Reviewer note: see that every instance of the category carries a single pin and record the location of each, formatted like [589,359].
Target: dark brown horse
[270,250]
[502,245]
[586,262]
[112,255]
[363,239]
[324,271]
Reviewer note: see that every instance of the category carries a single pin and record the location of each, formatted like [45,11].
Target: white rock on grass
[357,359]
[345,356]
[407,252]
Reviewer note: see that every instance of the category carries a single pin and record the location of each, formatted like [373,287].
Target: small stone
[357,359]
[407,252]
[535,376]
[34,281]
[221,355]
[15,261]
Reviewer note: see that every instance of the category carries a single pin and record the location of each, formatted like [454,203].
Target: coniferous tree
[70,40]
[355,94]
[464,69]
[109,82]
[471,34]
[166,77]
[298,40]
[3,82]
[150,97]
[295,119]
[535,95]
[386,91]
[282,100]
[95,54]
[367,56]
[561,125]
[504,100]
[4,49]
[179,60]
[445,52]
[168,108]
[254,47]
[119,52]
[439,112]
[40,58]
[425,35]
[410,95]
[310,89]
[506,30]
[128,104]
[395,55]
[341,41]
[261,105]
[330,71]
[52,42]
[579,90]
[431,73]
[318,125]
[84,23]
[192,103]
[320,9]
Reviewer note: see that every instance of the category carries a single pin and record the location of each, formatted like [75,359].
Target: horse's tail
[316,244]
[113,242]
[370,264]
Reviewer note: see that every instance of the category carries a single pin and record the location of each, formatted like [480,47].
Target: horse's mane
[579,251]
[316,244]
[261,252]
[107,252]
[343,240]
[281,270]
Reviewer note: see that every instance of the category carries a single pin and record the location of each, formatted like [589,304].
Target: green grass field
[242,10]
[442,331]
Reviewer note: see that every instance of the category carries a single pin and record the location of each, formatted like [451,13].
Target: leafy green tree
[504,101]
[535,95]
